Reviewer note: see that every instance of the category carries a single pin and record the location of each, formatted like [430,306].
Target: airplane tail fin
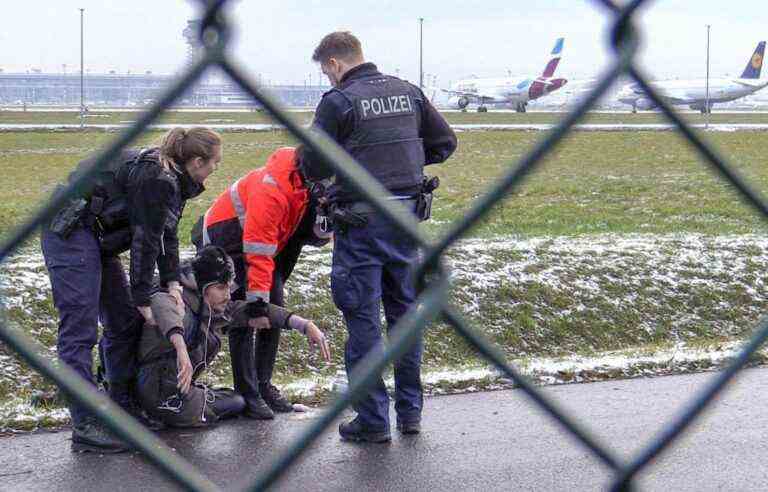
[552,65]
[755,63]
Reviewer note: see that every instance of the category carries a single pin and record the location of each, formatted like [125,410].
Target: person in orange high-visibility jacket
[262,221]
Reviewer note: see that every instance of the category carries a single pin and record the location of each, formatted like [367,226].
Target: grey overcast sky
[461,38]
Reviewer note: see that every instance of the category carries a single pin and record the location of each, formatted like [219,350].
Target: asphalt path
[481,441]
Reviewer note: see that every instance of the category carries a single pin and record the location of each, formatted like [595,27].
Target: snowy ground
[563,309]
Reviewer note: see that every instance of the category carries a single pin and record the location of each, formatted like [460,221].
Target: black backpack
[107,190]
[107,193]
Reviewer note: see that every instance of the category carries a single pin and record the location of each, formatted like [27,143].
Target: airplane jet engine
[701,107]
[645,104]
[458,102]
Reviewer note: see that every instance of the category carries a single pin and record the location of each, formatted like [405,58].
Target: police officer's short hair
[340,44]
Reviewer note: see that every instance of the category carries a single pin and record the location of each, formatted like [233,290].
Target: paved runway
[481,441]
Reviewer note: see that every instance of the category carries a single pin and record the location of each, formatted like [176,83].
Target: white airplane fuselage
[508,90]
[513,91]
[692,92]
[502,90]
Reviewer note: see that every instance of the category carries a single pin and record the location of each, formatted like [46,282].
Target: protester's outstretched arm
[281,318]
[313,333]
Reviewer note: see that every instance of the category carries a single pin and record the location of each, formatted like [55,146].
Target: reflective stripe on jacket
[267,206]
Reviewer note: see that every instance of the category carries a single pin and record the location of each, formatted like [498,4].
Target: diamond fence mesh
[433,302]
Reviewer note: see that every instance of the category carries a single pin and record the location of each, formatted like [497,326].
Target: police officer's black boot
[276,401]
[90,436]
[413,427]
[122,394]
[242,354]
[355,431]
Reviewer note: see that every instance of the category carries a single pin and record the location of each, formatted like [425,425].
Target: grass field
[620,240]
[455,117]
[593,183]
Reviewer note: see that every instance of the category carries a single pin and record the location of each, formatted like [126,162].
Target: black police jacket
[388,125]
[144,203]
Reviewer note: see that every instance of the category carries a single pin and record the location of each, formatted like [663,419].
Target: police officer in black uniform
[391,129]
[134,204]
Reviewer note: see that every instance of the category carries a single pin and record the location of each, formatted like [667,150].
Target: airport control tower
[194,47]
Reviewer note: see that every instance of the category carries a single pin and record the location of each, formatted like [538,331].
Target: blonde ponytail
[179,146]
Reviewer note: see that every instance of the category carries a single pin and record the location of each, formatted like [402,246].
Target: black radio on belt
[69,216]
[424,199]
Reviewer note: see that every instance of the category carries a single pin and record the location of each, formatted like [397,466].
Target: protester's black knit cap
[212,265]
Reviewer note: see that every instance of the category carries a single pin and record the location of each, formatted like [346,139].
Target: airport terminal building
[126,90]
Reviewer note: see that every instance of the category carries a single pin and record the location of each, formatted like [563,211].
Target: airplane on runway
[513,91]
[692,93]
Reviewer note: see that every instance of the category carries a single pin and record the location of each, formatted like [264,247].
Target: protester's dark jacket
[154,198]
[335,115]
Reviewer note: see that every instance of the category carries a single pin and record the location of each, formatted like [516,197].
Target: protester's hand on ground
[260,323]
[317,337]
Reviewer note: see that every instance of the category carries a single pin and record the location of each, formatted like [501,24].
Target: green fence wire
[433,302]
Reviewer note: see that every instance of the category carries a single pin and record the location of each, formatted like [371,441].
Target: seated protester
[174,354]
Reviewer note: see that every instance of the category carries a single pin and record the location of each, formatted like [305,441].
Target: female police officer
[175,353]
[135,204]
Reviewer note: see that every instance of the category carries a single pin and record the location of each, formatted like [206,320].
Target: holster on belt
[424,198]
[68,217]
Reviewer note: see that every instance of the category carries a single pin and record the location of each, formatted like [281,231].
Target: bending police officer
[262,221]
[393,131]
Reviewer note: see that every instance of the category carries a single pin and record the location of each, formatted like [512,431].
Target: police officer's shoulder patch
[375,107]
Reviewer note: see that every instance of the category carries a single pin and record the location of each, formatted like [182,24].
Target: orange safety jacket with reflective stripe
[269,204]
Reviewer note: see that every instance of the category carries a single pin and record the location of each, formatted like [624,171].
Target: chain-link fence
[433,277]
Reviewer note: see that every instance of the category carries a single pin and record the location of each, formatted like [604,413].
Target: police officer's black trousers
[88,288]
[374,265]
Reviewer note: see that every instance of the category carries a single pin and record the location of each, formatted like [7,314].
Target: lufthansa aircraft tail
[755,63]
[552,65]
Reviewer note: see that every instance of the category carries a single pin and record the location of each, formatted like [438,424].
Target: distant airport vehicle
[692,93]
[512,91]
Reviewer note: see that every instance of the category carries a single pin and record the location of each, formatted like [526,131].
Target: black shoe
[91,436]
[274,399]
[356,432]
[413,427]
[256,408]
